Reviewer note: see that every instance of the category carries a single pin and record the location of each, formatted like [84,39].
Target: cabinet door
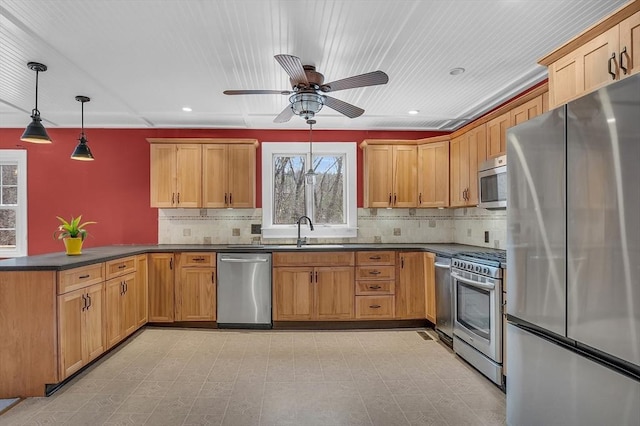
[215,176]
[94,326]
[433,175]
[196,294]
[161,287]
[378,176]
[526,111]
[459,171]
[189,175]
[129,305]
[335,293]
[242,176]
[142,299]
[405,176]
[163,175]
[595,56]
[292,294]
[497,134]
[477,145]
[410,288]
[71,307]
[114,310]
[630,45]
[565,81]
[430,280]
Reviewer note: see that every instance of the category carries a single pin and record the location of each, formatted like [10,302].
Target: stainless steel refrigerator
[573,259]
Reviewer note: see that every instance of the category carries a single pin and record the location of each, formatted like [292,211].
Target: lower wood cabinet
[195,287]
[375,307]
[161,287]
[410,286]
[142,293]
[430,282]
[334,293]
[81,330]
[121,304]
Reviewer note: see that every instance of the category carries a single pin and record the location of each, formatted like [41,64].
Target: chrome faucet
[302,241]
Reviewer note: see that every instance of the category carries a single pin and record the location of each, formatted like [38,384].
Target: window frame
[348,149]
[17,157]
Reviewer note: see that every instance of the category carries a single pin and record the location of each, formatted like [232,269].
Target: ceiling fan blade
[293,66]
[343,107]
[369,79]
[257,92]
[284,116]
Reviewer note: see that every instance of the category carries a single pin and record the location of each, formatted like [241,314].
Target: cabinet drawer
[375,287]
[73,279]
[207,259]
[375,307]
[376,258]
[118,267]
[382,272]
[330,258]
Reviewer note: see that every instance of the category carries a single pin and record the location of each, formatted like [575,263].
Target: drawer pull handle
[375,306]
[198,259]
[374,272]
[374,287]
[122,266]
[375,258]
[84,276]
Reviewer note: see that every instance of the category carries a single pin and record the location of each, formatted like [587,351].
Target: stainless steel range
[477,329]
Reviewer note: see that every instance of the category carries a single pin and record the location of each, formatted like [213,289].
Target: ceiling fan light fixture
[35,131]
[82,151]
[306,105]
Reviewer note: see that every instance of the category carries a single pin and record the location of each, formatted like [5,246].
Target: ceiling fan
[308,90]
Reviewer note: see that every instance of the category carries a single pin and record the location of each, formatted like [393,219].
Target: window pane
[329,189]
[288,189]
[9,175]
[7,219]
[8,238]
[10,195]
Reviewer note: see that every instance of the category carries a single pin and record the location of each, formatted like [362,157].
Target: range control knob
[486,271]
[478,268]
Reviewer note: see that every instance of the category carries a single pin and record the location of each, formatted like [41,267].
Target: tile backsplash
[233,226]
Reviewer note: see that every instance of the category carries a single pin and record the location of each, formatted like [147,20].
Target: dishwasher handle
[236,260]
[442,265]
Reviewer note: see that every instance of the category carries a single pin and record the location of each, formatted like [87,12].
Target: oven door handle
[472,282]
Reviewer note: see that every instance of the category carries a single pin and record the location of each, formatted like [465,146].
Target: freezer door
[536,221]
[550,385]
[603,181]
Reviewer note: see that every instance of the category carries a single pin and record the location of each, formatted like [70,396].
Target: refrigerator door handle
[472,282]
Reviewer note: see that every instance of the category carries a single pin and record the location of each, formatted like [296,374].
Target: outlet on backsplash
[496,244]
[377,239]
[186,232]
[468,231]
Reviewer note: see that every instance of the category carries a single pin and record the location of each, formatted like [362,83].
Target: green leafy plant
[71,229]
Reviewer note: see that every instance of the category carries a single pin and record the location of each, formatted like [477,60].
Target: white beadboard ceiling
[141,61]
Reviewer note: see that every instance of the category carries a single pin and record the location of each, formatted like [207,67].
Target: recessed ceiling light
[186,109]
[414,112]
[456,71]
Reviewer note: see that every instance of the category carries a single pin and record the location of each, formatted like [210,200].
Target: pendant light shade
[35,131]
[82,151]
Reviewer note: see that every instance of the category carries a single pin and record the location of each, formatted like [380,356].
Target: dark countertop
[60,261]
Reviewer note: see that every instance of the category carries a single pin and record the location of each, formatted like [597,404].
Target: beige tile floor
[302,378]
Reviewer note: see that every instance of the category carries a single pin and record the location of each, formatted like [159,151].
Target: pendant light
[310,176]
[35,131]
[82,151]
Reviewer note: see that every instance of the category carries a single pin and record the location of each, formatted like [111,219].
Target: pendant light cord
[82,120]
[35,111]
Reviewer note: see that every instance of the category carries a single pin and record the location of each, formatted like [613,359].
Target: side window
[13,203]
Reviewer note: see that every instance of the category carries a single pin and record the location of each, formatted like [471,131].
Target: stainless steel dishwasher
[244,290]
[444,300]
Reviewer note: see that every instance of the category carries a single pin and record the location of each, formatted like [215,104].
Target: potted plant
[72,233]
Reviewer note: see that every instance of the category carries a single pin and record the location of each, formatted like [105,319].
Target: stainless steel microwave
[492,184]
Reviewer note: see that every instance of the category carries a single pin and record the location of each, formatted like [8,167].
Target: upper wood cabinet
[466,153]
[203,173]
[433,174]
[229,175]
[411,286]
[527,111]
[604,53]
[176,175]
[390,176]
[497,134]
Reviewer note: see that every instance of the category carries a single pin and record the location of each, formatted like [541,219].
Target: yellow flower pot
[73,246]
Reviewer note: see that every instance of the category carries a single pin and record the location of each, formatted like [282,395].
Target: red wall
[113,190]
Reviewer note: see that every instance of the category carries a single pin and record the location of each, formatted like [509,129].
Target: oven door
[492,188]
[478,319]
